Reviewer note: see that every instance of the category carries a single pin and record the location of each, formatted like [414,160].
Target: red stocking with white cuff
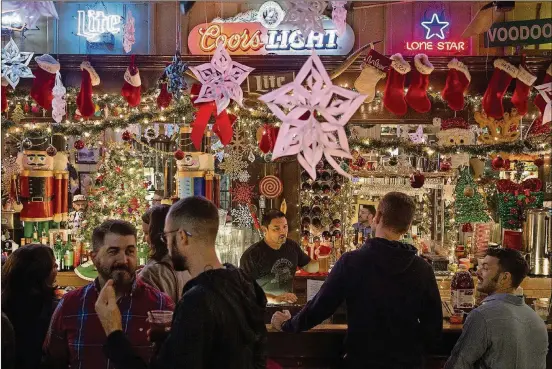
[393,97]
[84,98]
[131,90]
[503,74]
[44,81]
[458,80]
[524,82]
[416,97]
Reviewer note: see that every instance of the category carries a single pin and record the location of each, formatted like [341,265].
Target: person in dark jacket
[393,302]
[28,300]
[8,344]
[219,321]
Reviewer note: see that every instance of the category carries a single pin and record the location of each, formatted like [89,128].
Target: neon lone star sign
[435,22]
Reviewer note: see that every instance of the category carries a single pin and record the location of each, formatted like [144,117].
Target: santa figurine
[40,190]
[76,216]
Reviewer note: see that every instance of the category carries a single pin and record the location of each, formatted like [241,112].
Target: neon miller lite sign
[92,24]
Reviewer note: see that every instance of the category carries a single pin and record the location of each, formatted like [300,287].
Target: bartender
[272,262]
[366,216]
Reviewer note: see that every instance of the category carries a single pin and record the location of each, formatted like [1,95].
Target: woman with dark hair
[28,300]
[159,271]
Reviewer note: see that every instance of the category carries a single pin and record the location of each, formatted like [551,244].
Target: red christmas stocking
[502,76]
[44,81]
[539,100]
[458,80]
[132,86]
[84,98]
[393,97]
[4,97]
[523,85]
[416,97]
[269,134]
[164,99]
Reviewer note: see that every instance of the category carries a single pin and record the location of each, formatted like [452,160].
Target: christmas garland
[534,144]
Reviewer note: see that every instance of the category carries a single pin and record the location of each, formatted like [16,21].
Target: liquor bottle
[69,253]
[44,239]
[77,251]
[57,251]
[35,235]
[65,261]
[6,243]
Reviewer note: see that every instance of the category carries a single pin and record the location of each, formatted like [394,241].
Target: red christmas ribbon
[223,121]
[526,187]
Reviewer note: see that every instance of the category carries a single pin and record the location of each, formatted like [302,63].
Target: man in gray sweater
[503,332]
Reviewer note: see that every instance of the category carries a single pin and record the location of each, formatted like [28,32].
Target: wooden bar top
[447,327]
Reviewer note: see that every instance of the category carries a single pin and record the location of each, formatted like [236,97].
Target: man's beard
[121,274]
[491,287]
[180,262]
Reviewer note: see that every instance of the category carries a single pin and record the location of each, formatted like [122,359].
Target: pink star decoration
[221,79]
[313,113]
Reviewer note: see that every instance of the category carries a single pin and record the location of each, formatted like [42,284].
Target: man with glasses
[75,338]
[272,262]
[219,321]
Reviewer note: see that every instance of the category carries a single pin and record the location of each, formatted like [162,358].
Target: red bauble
[445,166]
[417,180]
[539,162]
[79,144]
[117,169]
[360,162]
[467,227]
[51,151]
[179,154]
[126,136]
[506,165]
[497,163]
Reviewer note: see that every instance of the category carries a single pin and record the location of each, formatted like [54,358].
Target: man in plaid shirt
[76,337]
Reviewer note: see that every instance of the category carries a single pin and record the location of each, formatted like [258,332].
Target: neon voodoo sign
[92,24]
[434,38]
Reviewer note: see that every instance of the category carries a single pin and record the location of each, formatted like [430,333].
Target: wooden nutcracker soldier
[40,191]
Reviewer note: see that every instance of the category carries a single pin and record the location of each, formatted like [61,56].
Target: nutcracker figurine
[40,191]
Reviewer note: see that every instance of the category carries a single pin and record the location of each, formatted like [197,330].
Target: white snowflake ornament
[313,113]
[15,64]
[418,137]
[305,15]
[129,31]
[243,176]
[241,217]
[221,79]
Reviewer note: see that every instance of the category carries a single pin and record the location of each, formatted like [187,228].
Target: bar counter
[322,347]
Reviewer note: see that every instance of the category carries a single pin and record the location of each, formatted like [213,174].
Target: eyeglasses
[163,235]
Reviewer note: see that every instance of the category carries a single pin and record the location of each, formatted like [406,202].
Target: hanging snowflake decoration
[233,165]
[128,33]
[15,64]
[59,104]
[339,17]
[175,75]
[239,145]
[221,79]
[241,217]
[305,15]
[243,176]
[242,193]
[314,113]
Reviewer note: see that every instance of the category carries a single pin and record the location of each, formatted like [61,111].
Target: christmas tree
[119,191]
[469,204]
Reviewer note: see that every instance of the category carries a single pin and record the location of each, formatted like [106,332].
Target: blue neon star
[435,23]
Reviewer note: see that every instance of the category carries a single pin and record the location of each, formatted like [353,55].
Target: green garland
[511,207]
[517,147]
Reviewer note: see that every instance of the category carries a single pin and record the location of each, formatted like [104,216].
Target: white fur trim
[506,67]
[422,64]
[525,76]
[85,65]
[399,64]
[459,66]
[133,80]
[48,63]
[5,82]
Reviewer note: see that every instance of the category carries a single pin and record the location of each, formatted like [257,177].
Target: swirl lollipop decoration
[271,187]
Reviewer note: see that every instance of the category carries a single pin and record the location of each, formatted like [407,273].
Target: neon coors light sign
[435,38]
